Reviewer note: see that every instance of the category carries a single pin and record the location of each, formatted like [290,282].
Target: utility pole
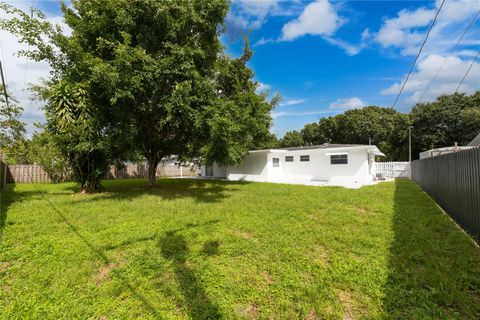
[409,144]
[4,84]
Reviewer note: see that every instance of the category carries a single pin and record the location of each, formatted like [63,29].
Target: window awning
[377,153]
[336,153]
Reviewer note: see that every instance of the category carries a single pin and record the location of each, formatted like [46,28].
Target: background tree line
[449,119]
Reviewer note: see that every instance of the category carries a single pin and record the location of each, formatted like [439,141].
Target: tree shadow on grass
[201,191]
[434,268]
[105,260]
[10,196]
[174,247]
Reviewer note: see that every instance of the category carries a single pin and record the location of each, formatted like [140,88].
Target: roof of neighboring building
[475,141]
[325,146]
[374,148]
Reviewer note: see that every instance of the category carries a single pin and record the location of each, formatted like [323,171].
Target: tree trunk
[152,172]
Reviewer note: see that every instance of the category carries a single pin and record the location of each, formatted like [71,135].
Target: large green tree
[292,139]
[155,78]
[448,120]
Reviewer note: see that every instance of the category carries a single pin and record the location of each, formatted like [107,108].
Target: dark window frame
[277,163]
[289,159]
[305,158]
[338,159]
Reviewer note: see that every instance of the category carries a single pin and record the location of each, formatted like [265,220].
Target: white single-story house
[328,164]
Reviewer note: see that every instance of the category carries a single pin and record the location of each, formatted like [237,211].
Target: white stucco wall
[253,168]
[258,166]
[319,167]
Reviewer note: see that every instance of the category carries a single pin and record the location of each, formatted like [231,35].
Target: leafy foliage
[385,127]
[76,133]
[292,139]
[44,150]
[12,129]
[145,76]
[448,120]
[240,118]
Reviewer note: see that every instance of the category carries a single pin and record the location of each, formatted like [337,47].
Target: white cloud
[318,18]
[296,114]
[405,33]
[261,87]
[252,14]
[263,41]
[347,103]
[446,82]
[292,102]
[407,30]
[349,48]
[308,84]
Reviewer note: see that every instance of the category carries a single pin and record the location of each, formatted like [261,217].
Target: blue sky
[324,57]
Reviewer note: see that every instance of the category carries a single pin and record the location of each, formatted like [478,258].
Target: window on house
[339,159]
[288,158]
[305,158]
[276,162]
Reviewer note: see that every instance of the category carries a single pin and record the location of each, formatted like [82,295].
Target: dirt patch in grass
[251,311]
[267,277]
[104,273]
[243,234]
[4,266]
[319,254]
[312,315]
[346,300]
[363,210]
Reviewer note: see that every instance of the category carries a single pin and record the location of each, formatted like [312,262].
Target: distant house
[475,142]
[442,151]
[445,150]
[328,164]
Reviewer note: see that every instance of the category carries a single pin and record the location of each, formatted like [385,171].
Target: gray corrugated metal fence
[453,180]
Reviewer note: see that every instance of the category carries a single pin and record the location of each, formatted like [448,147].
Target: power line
[419,52]
[466,73]
[450,54]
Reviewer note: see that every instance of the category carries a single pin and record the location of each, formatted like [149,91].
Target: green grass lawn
[211,249]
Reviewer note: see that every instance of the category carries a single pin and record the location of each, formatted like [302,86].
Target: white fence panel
[393,169]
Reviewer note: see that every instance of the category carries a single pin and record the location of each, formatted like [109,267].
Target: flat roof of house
[324,146]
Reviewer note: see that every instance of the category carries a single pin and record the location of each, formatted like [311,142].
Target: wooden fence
[453,180]
[21,173]
[393,169]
